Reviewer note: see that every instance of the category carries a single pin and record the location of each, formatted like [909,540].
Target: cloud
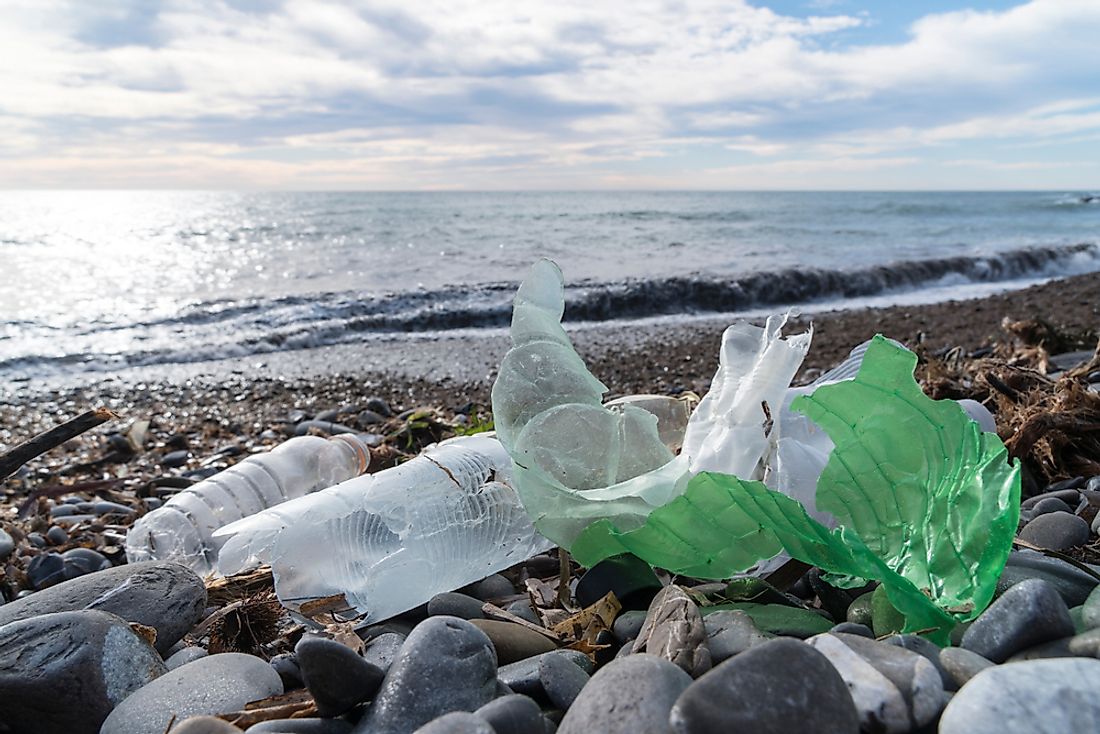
[476,93]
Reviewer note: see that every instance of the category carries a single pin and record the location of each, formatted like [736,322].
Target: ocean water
[105,280]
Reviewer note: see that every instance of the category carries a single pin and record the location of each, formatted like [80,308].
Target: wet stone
[513,642]
[166,596]
[1056,531]
[773,688]
[454,604]
[512,714]
[627,696]
[336,675]
[446,664]
[1028,614]
[1026,698]
[216,684]
[562,681]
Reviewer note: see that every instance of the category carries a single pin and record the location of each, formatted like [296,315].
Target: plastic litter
[390,541]
[927,501]
[182,529]
[577,461]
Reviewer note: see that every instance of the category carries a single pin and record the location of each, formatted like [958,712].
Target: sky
[558,94]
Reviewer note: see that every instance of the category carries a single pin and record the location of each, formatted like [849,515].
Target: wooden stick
[51,439]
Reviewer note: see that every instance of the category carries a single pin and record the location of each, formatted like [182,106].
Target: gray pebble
[454,604]
[730,633]
[1027,698]
[81,561]
[1090,610]
[302,726]
[1029,613]
[445,665]
[627,625]
[1050,504]
[562,681]
[523,610]
[216,684]
[773,688]
[382,650]
[7,545]
[491,588]
[57,535]
[38,540]
[63,673]
[962,664]
[1070,582]
[629,695]
[204,725]
[1094,484]
[324,427]
[523,676]
[457,722]
[46,570]
[286,666]
[1069,496]
[512,714]
[166,596]
[1056,531]
[928,650]
[379,406]
[336,675]
[184,656]
[175,459]
[851,628]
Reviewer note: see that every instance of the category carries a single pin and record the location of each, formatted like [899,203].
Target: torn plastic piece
[390,541]
[577,461]
[672,414]
[182,530]
[927,501]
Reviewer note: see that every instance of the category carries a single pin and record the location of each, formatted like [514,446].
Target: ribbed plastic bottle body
[182,530]
[390,541]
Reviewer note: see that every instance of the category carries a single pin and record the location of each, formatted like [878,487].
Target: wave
[223,329]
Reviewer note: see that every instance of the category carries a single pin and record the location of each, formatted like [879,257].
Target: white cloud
[567,88]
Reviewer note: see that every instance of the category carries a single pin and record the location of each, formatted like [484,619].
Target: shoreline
[451,371]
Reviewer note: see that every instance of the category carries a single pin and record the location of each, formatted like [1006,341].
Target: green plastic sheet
[928,503]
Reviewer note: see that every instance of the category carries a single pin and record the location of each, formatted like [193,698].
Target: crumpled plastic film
[928,503]
[577,461]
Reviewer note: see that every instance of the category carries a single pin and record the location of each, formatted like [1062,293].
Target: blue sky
[564,94]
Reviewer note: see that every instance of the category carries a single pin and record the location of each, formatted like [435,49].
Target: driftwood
[43,442]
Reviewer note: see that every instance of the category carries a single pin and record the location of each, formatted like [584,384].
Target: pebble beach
[89,643]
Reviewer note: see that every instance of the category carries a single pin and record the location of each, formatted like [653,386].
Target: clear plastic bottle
[182,530]
[390,541]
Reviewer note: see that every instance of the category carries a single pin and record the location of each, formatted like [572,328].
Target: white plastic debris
[390,541]
[182,529]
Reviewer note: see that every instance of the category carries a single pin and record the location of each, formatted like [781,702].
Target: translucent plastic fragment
[928,503]
[577,461]
[672,414]
[390,541]
[917,480]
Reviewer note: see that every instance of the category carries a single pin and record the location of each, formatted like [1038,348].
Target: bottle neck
[358,446]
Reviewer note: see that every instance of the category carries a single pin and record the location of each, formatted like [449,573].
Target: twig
[1056,554]
[563,577]
[43,442]
[492,611]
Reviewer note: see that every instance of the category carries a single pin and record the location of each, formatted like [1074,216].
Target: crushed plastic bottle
[390,541]
[182,530]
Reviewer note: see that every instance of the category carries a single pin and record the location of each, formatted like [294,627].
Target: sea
[103,280]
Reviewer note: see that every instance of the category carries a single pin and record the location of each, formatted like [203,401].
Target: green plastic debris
[578,461]
[928,504]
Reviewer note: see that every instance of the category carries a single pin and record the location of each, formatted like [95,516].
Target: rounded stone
[204,725]
[773,688]
[46,570]
[7,545]
[383,649]
[962,664]
[1050,504]
[627,696]
[454,604]
[65,672]
[561,680]
[513,642]
[1090,610]
[336,675]
[1056,531]
[302,726]
[57,535]
[523,676]
[1029,613]
[1056,695]
[1070,582]
[512,714]
[457,722]
[446,664]
[81,561]
[216,684]
[492,587]
[165,596]
[627,625]
[184,656]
